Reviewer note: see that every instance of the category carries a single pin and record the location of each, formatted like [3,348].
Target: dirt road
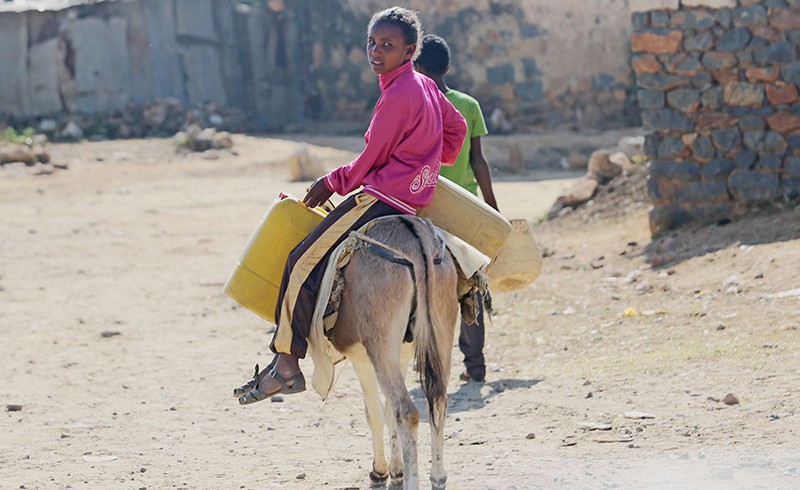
[121,350]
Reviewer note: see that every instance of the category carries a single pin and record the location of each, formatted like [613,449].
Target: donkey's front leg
[374,411]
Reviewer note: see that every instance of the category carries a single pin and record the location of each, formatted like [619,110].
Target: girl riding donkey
[414,129]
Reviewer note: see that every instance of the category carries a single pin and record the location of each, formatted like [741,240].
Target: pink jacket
[414,130]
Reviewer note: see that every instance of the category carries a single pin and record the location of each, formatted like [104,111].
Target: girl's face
[386,47]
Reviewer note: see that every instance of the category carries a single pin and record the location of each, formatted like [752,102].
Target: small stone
[276,399]
[301,476]
[530,435]
[730,399]
[13,408]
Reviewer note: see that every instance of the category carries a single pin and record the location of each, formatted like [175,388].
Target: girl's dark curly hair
[406,19]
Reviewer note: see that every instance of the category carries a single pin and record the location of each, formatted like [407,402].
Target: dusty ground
[121,350]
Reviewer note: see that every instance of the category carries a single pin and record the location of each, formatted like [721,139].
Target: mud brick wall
[718,90]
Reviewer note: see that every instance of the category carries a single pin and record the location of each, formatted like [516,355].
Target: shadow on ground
[767,226]
[471,395]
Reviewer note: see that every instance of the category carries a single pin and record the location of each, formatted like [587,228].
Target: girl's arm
[385,131]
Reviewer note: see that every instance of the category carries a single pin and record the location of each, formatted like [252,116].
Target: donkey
[398,302]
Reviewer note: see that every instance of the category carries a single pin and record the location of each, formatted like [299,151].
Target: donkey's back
[399,300]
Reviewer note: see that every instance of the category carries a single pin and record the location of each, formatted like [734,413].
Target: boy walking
[471,171]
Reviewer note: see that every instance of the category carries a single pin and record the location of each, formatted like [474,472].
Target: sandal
[237,392]
[293,384]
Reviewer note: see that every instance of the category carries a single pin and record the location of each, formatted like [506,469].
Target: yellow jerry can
[256,279]
[466,216]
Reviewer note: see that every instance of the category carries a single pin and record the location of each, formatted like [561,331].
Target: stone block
[782,93]
[671,148]
[784,122]
[790,188]
[794,141]
[650,100]
[754,140]
[717,168]
[774,142]
[714,120]
[752,122]
[702,149]
[785,19]
[791,166]
[768,161]
[689,66]
[703,191]
[656,41]
[791,73]
[745,159]
[666,119]
[778,53]
[702,41]
[723,17]
[683,99]
[639,20]
[726,139]
[661,82]
[767,33]
[686,171]
[659,18]
[726,75]
[743,94]
[753,186]
[733,40]
[711,98]
[717,60]
[755,15]
[762,74]
[645,63]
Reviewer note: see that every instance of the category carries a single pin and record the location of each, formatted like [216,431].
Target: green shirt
[461,172]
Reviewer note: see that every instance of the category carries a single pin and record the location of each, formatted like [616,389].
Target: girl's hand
[317,194]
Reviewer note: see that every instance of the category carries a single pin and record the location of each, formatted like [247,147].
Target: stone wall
[291,63]
[718,93]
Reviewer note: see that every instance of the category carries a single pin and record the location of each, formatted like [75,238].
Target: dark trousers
[471,340]
[305,267]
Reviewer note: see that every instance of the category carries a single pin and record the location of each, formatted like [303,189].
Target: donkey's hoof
[439,484]
[378,479]
[397,480]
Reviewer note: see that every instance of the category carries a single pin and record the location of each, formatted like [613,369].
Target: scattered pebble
[110,333]
[634,414]
[594,426]
[13,408]
[530,435]
[730,399]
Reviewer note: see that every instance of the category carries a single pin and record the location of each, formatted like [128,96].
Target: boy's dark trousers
[470,341]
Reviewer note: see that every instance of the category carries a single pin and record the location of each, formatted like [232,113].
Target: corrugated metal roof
[42,5]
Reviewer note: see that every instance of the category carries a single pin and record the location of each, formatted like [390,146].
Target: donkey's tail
[429,332]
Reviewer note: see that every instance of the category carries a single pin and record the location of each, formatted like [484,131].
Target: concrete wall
[291,62]
[718,90]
